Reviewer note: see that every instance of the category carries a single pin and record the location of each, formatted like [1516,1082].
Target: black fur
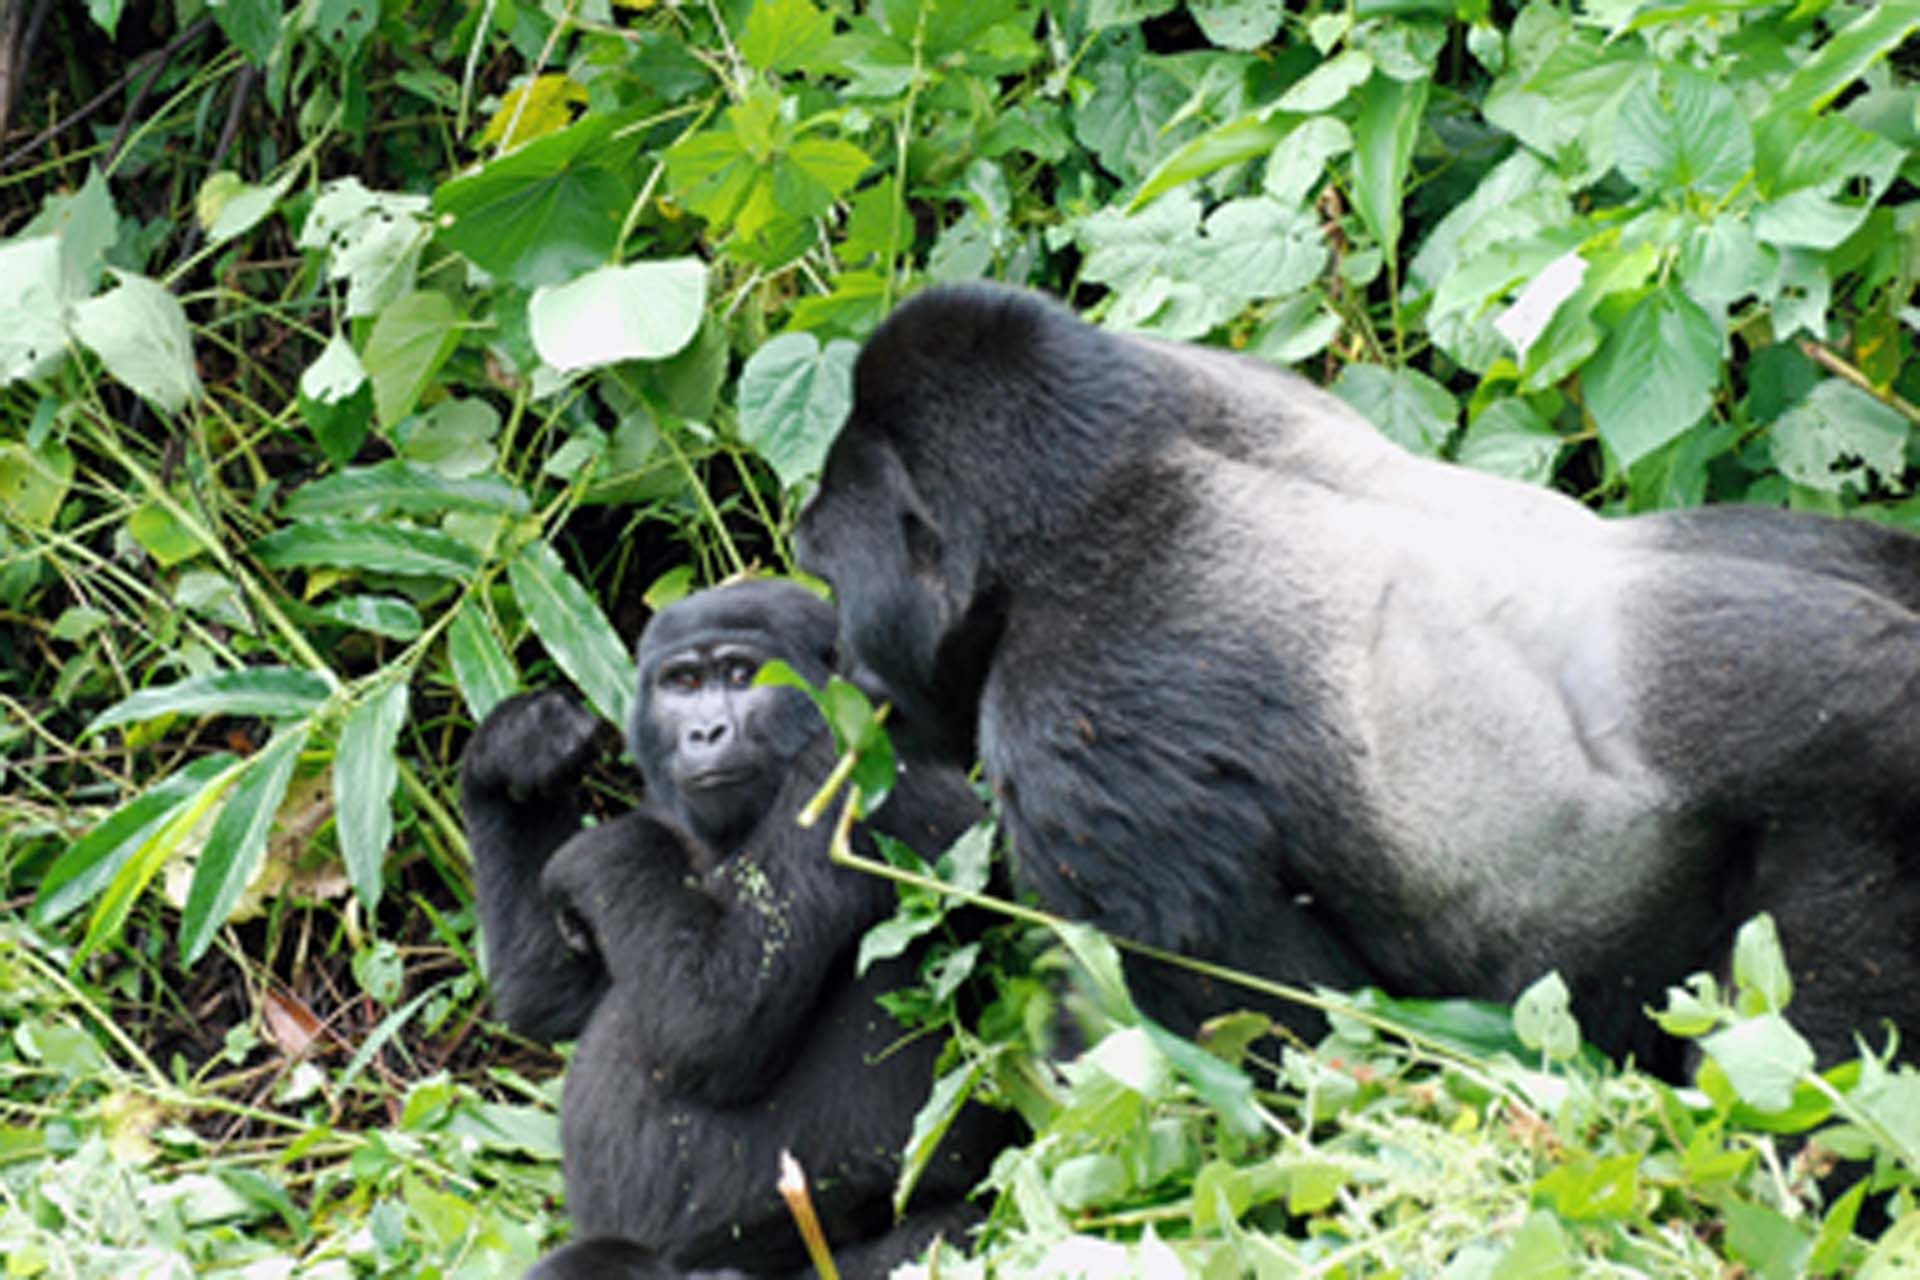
[1255,685]
[712,983]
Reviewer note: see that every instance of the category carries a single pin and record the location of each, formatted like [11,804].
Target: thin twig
[139,65]
[1830,360]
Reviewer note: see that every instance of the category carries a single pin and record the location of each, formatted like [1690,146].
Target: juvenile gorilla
[702,949]
[1257,686]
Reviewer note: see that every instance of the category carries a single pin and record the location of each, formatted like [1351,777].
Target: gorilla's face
[868,534]
[712,745]
[724,740]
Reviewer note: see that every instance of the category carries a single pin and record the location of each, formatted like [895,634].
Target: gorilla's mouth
[717,779]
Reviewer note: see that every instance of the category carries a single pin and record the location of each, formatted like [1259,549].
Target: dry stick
[793,1189]
[157,60]
[1831,361]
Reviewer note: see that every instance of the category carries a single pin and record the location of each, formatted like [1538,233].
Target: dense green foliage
[360,364]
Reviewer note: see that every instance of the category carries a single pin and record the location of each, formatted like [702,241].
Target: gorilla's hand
[532,745]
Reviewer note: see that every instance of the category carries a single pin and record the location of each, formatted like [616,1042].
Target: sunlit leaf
[139,331]
[641,311]
[238,841]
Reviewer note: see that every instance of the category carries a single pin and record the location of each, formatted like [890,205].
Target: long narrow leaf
[1880,29]
[404,487]
[138,870]
[375,548]
[481,668]
[238,841]
[1237,141]
[574,630]
[1383,138]
[363,776]
[92,861]
[272,692]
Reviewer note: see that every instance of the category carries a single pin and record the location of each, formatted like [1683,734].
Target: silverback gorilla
[1256,686]
[702,949]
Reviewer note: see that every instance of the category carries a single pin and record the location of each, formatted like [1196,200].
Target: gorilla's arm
[519,794]
[721,971]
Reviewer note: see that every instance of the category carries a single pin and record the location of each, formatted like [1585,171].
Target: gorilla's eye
[684,679]
[740,672]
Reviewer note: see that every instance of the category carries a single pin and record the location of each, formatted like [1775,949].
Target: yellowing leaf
[533,111]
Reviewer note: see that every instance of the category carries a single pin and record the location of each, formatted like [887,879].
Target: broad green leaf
[139,331]
[397,486]
[1260,248]
[1680,129]
[411,339]
[548,211]
[238,841]
[641,311]
[269,692]
[1822,178]
[1124,13]
[1405,405]
[33,308]
[574,631]
[1298,329]
[1655,374]
[90,863]
[1587,1189]
[1086,1181]
[454,437]
[1540,1251]
[481,668]
[372,240]
[34,482]
[252,25]
[1543,1019]
[1896,1256]
[87,228]
[336,400]
[1837,436]
[342,26]
[1238,24]
[228,207]
[785,35]
[1722,261]
[364,774]
[387,616]
[1842,60]
[1126,250]
[794,394]
[1775,1246]
[366,547]
[1221,1085]
[1298,160]
[1328,84]
[1763,1058]
[1121,122]
[162,535]
[1383,138]
[1508,439]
